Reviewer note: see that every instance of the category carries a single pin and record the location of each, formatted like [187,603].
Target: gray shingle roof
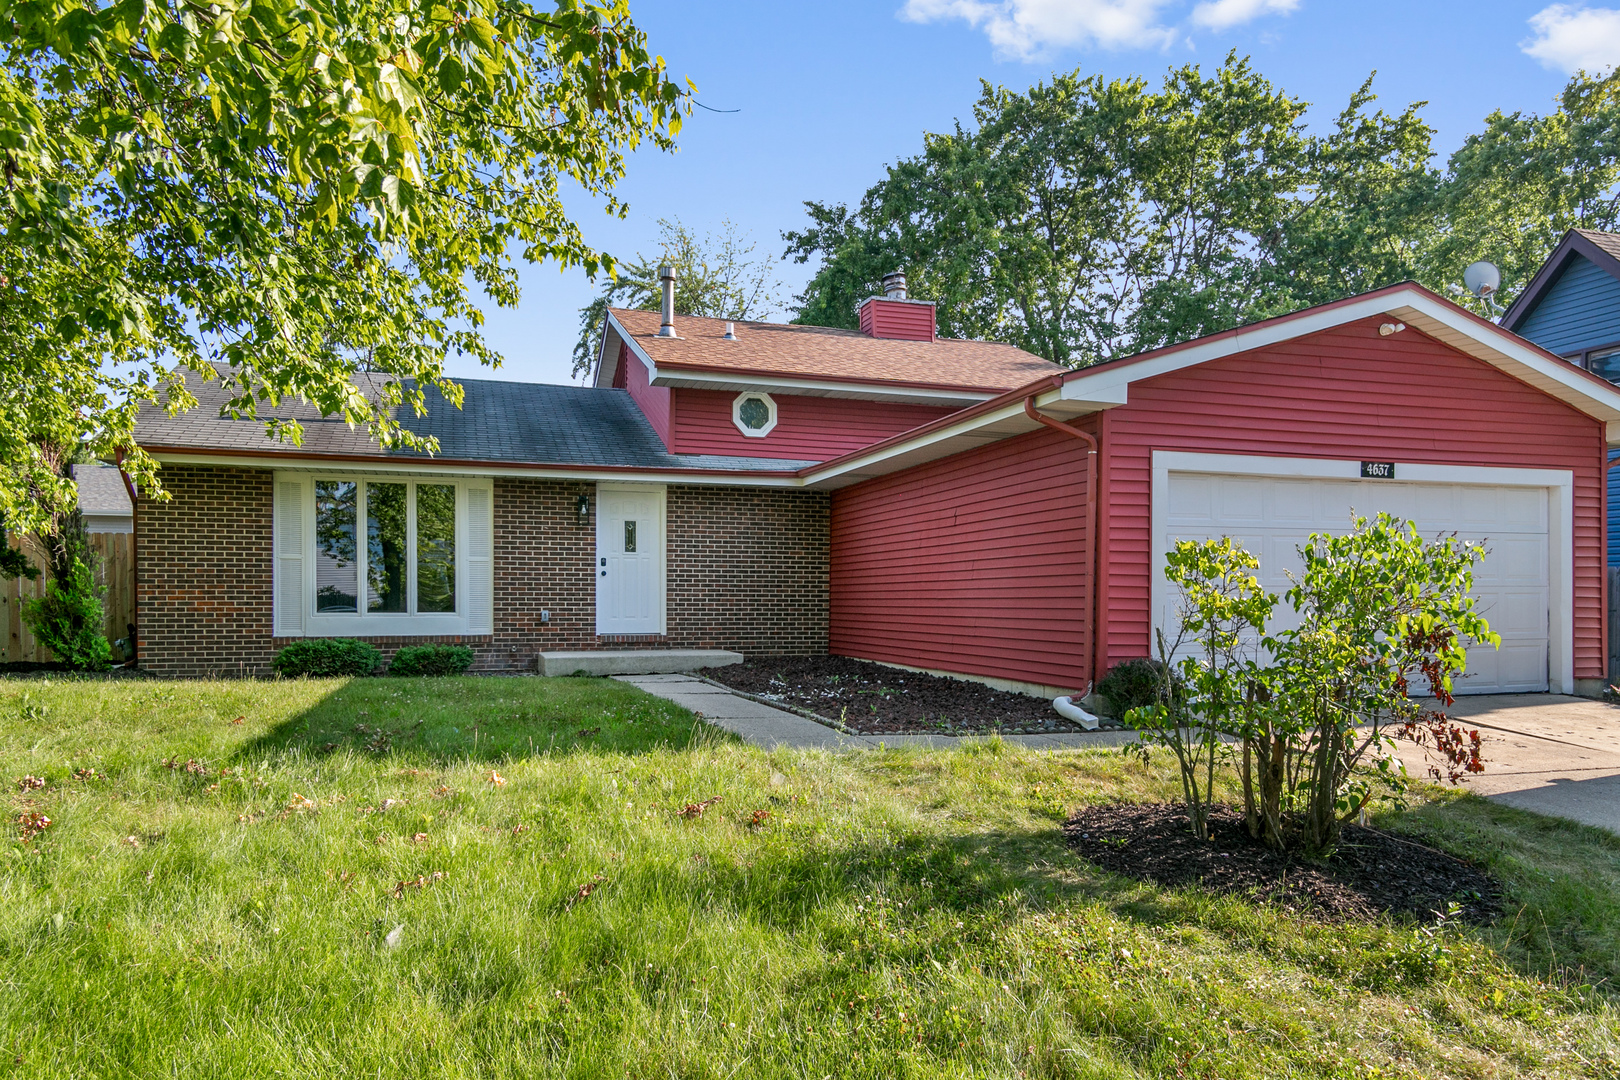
[498,423]
[101,490]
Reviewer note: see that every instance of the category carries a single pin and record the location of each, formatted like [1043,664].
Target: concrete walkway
[770,727]
[1548,753]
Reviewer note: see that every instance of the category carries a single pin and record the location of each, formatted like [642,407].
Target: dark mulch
[32,667]
[875,700]
[1372,872]
[56,667]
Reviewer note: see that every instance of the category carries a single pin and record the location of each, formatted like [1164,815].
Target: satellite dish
[1482,278]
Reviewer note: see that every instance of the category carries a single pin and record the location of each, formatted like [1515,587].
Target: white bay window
[367,556]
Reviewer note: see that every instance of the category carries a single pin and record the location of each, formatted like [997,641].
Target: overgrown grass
[493,877]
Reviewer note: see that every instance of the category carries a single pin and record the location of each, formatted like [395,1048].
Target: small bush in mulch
[1372,872]
[1131,684]
[431,660]
[872,699]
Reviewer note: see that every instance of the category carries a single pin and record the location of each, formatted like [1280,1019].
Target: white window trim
[661,562]
[364,624]
[1559,484]
[736,413]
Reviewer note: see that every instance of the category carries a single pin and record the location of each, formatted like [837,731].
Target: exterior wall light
[584,507]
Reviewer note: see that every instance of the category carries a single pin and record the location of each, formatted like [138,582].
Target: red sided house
[952,506]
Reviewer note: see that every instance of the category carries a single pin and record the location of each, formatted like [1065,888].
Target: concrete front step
[635,661]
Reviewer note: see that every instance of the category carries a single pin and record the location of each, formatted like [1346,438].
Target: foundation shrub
[320,657]
[415,660]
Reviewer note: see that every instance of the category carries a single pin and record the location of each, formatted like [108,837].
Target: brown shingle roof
[1609,242]
[819,352]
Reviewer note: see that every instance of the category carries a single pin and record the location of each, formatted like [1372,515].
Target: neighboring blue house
[1572,308]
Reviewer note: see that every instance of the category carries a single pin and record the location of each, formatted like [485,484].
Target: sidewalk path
[769,727]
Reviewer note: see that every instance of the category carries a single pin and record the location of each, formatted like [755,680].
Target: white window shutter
[480,560]
[289,544]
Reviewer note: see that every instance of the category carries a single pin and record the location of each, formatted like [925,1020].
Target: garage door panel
[1518,560]
[1293,502]
[1240,501]
[1271,517]
[1191,499]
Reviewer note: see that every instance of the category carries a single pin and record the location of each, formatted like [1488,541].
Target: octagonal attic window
[754,414]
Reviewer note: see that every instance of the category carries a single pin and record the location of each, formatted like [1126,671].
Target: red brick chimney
[892,315]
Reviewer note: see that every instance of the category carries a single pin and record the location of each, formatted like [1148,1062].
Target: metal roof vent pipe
[666,278]
[731,332]
[894,285]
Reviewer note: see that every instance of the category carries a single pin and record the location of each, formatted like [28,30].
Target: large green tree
[1513,189]
[1090,218]
[284,194]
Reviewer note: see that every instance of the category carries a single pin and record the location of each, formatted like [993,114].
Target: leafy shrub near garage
[415,660]
[1133,684]
[327,656]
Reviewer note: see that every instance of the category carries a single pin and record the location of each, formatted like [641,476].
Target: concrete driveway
[1548,753]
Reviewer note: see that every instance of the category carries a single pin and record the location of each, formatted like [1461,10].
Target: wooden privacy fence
[115,570]
[1614,625]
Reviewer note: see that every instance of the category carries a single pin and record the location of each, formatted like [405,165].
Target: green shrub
[327,656]
[431,660]
[1132,684]
[68,619]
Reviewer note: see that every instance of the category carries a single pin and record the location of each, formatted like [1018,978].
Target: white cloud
[1570,38]
[1027,28]
[1225,14]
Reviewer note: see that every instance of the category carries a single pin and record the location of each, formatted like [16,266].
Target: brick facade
[747,570]
[202,577]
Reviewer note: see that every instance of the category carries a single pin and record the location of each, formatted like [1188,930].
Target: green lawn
[338,886]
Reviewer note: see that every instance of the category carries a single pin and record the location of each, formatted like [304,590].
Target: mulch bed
[871,699]
[33,667]
[1372,872]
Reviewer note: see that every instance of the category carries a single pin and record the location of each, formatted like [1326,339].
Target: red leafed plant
[1456,747]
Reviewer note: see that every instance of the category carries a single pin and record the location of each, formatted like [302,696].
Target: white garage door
[1271,516]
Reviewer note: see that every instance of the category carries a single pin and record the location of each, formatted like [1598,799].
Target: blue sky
[830,93]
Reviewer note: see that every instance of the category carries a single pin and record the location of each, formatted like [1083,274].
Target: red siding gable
[807,428]
[1349,394]
[654,400]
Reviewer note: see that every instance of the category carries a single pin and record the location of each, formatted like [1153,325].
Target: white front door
[1272,516]
[629,560]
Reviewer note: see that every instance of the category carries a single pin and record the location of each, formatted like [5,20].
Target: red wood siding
[959,565]
[1347,394]
[897,319]
[807,428]
[971,564]
[654,400]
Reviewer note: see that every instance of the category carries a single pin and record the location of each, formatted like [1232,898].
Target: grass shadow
[452,720]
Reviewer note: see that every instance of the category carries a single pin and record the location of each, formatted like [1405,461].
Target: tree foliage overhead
[1090,218]
[717,277]
[284,193]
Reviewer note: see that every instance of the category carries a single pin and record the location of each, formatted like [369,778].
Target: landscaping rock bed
[1373,872]
[871,699]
